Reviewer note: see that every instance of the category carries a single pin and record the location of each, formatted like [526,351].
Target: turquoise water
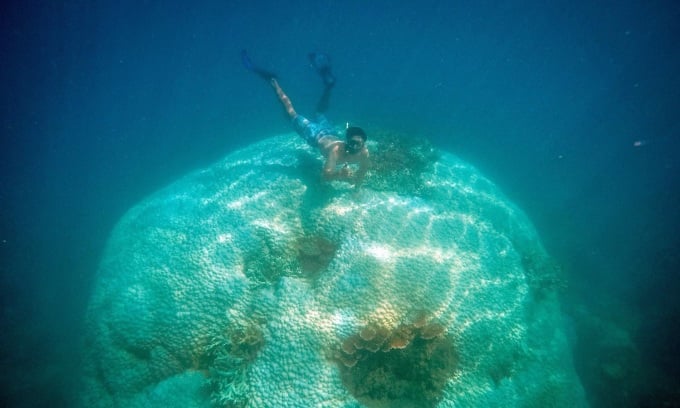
[570,109]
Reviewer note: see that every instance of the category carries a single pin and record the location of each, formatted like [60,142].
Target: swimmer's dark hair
[355,131]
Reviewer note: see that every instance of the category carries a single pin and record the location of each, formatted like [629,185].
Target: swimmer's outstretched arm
[283,98]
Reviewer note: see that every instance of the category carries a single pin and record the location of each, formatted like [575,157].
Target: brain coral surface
[251,283]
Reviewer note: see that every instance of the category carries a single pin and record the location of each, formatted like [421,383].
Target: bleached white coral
[251,283]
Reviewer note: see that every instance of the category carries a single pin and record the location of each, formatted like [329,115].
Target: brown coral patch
[368,333]
[348,361]
[398,343]
[381,334]
[431,331]
[372,346]
[420,320]
[348,346]
[407,364]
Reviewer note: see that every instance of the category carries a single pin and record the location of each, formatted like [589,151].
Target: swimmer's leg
[322,105]
[307,129]
[283,98]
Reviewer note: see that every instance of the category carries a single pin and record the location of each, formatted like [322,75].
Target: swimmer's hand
[352,177]
[345,173]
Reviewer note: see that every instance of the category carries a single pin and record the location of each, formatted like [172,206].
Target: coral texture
[251,283]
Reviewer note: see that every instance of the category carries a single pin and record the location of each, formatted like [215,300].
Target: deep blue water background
[571,108]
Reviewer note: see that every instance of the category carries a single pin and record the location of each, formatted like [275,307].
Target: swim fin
[322,64]
[248,64]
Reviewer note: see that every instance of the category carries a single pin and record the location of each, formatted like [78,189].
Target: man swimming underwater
[346,160]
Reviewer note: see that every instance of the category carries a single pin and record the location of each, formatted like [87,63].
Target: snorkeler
[320,133]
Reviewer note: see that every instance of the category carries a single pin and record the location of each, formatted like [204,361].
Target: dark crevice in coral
[544,274]
[311,252]
[398,162]
[501,371]
[315,253]
[317,193]
[269,262]
[141,353]
[406,366]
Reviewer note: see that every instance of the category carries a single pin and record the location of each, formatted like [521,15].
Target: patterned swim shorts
[313,131]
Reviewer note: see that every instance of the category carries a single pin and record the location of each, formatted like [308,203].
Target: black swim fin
[264,74]
[322,64]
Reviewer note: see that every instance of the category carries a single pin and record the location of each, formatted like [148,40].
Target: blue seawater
[571,108]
